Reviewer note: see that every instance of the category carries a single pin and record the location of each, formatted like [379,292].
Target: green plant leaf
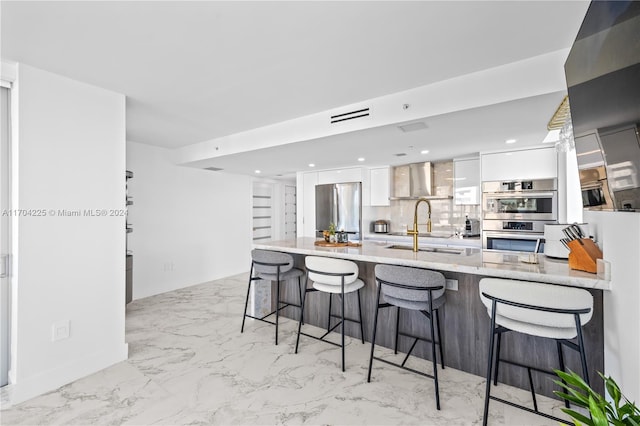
[582,398]
[574,400]
[613,389]
[597,414]
[577,416]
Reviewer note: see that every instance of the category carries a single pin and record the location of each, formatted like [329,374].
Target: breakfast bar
[465,322]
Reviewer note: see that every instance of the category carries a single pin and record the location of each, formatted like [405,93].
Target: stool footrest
[529,367]
[404,368]
[286,305]
[322,338]
[260,319]
[522,407]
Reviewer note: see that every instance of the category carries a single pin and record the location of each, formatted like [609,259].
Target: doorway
[5,236]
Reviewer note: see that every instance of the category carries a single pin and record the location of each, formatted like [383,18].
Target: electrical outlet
[451,285]
[60,330]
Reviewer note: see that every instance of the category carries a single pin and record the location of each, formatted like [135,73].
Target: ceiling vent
[213,169]
[412,127]
[350,115]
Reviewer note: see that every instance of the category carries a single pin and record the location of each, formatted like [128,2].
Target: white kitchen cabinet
[535,163]
[340,176]
[379,186]
[466,181]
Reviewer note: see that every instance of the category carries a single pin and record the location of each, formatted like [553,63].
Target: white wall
[189,225]
[619,236]
[68,153]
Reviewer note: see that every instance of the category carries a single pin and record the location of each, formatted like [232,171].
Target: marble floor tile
[189,364]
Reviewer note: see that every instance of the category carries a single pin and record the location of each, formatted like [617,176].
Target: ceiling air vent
[350,115]
[213,169]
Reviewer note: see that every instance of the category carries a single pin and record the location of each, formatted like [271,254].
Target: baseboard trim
[49,380]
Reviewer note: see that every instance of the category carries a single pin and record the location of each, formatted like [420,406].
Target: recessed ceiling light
[424,151]
[510,141]
[361,159]
[257,171]
[311,165]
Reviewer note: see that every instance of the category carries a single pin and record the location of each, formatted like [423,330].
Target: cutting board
[322,243]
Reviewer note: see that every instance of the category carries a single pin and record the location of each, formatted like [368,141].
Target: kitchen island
[465,322]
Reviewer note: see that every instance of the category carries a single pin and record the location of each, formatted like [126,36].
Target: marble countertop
[470,260]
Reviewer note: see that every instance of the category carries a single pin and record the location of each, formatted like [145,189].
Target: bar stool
[414,289]
[538,309]
[272,266]
[333,276]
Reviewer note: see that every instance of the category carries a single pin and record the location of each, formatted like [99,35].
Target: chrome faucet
[414,231]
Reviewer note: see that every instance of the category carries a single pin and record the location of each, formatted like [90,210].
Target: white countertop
[470,261]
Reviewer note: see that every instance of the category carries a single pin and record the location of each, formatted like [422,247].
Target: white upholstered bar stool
[414,289]
[333,276]
[272,266]
[538,309]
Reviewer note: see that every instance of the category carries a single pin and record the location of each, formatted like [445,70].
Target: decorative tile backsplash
[445,215]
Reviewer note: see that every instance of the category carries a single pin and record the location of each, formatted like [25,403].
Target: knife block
[583,256]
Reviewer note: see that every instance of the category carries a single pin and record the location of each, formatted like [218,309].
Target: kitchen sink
[444,250]
[425,234]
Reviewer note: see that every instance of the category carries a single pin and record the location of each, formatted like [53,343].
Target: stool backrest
[266,261]
[320,268]
[539,299]
[404,282]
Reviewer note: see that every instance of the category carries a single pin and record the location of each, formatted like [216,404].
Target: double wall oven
[515,212]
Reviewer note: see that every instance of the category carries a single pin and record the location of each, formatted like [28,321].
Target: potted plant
[330,234]
[620,411]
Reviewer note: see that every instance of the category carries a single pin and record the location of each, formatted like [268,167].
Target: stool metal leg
[495,376]
[395,351]
[246,301]
[342,325]
[583,357]
[277,302]
[304,298]
[300,296]
[433,351]
[360,316]
[329,319]
[489,363]
[375,326]
[440,338]
[561,362]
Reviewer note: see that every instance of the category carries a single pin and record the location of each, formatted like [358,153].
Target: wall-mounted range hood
[603,80]
[413,181]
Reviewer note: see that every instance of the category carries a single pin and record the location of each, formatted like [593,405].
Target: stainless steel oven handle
[497,195]
[514,235]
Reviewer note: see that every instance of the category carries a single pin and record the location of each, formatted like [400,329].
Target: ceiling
[197,71]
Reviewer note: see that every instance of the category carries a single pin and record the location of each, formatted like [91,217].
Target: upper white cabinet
[379,186]
[466,181]
[340,176]
[537,163]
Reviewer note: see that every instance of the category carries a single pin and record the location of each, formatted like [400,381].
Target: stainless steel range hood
[413,181]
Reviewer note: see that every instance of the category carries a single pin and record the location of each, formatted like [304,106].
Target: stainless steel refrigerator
[340,203]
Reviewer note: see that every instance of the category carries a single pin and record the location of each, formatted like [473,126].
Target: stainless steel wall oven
[515,212]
